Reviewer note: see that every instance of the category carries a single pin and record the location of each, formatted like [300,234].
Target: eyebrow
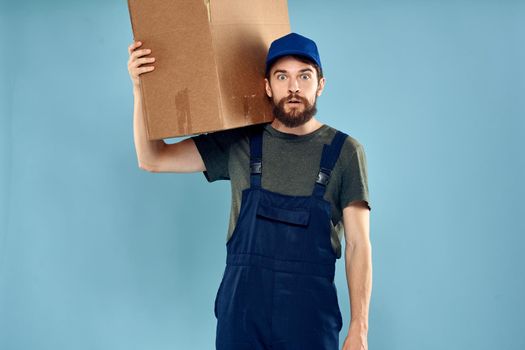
[301,71]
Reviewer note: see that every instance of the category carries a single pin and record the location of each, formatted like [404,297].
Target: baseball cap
[292,44]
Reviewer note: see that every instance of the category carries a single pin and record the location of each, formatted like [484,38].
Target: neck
[308,127]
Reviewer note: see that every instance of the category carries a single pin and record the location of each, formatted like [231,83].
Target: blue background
[98,254]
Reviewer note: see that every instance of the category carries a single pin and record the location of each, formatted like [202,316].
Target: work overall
[278,290]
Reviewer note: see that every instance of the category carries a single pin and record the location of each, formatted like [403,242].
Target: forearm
[147,151]
[358,264]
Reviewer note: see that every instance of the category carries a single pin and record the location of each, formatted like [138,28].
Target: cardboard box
[209,62]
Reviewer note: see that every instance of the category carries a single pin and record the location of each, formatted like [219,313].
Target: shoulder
[244,132]
[352,159]
[351,145]
[228,136]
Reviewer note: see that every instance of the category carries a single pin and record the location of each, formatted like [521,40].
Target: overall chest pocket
[294,216]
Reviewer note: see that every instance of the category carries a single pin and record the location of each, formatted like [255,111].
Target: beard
[294,117]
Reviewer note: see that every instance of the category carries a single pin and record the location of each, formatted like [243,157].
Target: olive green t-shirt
[290,166]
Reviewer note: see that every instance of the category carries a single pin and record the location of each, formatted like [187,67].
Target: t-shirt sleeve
[214,148]
[354,184]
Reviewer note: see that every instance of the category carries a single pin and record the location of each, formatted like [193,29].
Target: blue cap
[292,44]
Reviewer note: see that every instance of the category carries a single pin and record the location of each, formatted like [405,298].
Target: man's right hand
[137,60]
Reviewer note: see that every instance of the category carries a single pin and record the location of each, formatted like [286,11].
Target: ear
[320,86]
[267,87]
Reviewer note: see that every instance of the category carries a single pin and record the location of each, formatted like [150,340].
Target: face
[293,87]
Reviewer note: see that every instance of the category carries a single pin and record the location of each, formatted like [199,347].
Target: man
[294,182]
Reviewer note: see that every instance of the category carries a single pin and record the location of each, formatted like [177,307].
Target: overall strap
[330,155]
[256,158]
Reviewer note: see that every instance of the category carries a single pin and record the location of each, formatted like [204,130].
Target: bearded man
[298,186]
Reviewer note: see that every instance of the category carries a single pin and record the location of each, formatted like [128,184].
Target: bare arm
[156,155]
[358,263]
[147,151]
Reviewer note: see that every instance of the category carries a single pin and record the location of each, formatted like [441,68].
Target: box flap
[249,11]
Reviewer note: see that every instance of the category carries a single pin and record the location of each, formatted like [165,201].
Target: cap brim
[272,60]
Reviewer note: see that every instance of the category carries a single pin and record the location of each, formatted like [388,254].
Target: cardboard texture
[209,62]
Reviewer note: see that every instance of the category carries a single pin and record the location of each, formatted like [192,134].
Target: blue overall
[277,291]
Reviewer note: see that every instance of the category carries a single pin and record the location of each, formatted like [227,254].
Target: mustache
[294,97]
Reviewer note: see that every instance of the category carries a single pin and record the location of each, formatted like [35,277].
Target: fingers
[137,53]
[144,69]
[140,53]
[134,46]
[141,61]
[136,60]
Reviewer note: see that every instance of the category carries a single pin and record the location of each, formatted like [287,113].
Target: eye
[281,77]
[305,76]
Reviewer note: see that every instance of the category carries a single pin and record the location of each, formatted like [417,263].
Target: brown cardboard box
[209,62]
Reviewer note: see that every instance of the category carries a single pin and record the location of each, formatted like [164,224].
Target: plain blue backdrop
[98,254]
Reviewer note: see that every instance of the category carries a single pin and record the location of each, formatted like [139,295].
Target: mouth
[294,101]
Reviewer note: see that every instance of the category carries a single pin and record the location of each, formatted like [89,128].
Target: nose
[293,86]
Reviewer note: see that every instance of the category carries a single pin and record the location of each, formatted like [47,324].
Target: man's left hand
[356,339]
